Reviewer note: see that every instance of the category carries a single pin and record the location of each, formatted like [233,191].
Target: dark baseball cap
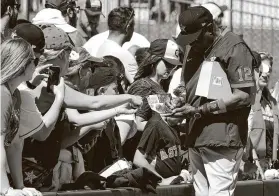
[167,49]
[191,22]
[93,7]
[31,33]
[61,5]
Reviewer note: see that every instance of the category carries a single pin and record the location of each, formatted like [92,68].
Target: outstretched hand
[186,111]
[59,90]
[39,74]
[125,109]
[136,101]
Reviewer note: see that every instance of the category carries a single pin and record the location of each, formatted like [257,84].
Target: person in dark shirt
[217,128]
[159,149]
[159,62]
[106,146]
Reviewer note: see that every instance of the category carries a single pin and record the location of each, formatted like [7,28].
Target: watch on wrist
[197,113]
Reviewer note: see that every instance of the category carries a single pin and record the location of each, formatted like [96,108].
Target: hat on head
[55,3]
[167,49]
[214,9]
[56,38]
[31,33]
[53,17]
[93,7]
[191,22]
[102,76]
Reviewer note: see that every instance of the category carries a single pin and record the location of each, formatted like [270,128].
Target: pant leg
[199,175]
[221,166]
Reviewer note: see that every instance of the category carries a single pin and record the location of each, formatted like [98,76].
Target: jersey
[161,144]
[230,128]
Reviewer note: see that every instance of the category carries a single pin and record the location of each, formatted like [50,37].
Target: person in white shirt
[94,43]
[121,27]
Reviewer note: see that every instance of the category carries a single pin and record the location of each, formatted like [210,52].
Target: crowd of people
[75,111]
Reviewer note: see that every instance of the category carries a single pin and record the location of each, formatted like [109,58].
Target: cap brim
[183,40]
[66,27]
[173,62]
[93,13]
[223,8]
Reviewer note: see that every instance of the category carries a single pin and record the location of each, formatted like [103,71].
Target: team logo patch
[218,81]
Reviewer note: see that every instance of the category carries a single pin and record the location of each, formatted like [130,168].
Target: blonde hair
[15,57]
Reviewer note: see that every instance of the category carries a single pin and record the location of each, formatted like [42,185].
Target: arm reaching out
[76,100]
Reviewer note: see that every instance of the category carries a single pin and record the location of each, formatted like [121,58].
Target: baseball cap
[102,76]
[56,38]
[31,33]
[53,16]
[167,49]
[191,22]
[214,9]
[93,7]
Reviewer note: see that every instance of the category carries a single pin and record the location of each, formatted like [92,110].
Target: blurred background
[256,20]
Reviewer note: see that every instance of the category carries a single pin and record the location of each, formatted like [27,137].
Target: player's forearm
[238,100]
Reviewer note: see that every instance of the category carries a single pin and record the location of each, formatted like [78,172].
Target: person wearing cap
[9,14]
[89,17]
[216,11]
[121,27]
[60,13]
[263,118]
[158,64]
[217,128]
[57,52]
[107,147]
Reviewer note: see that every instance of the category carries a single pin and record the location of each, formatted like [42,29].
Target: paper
[117,166]
[213,82]
[158,103]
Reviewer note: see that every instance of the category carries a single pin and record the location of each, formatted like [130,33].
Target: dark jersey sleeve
[239,70]
[148,141]
[142,89]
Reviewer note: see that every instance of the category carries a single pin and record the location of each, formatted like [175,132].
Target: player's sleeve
[142,89]
[239,70]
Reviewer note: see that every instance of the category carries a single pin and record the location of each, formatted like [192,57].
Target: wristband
[214,107]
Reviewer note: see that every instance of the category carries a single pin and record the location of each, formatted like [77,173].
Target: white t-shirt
[93,44]
[110,47]
[31,119]
[175,81]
